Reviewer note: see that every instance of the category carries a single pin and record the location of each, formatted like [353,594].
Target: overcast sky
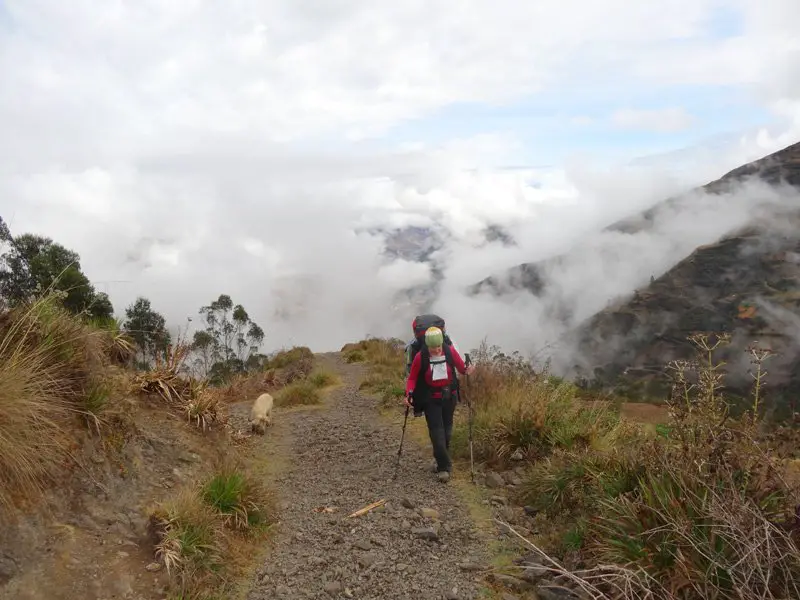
[187,148]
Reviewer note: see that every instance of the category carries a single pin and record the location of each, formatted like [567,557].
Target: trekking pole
[400,450]
[469,421]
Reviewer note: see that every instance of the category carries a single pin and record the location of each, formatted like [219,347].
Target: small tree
[229,341]
[203,346]
[148,330]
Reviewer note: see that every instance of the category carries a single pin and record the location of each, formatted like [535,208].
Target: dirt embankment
[93,541]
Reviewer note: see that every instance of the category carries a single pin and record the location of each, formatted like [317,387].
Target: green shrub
[284,358]
[299,393]
[234,497]
[710,539]
[188,543]
[355,356]
[96,398]
[322,379]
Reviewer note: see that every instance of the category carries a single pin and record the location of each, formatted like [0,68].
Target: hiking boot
[443,476]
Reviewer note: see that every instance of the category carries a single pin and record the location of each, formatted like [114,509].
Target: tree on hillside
[219,327]
[101,306]
[148,330]
[203,346]
[5,232]
[31,264]
[230,341]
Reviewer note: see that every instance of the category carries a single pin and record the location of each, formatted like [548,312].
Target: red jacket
[416,364]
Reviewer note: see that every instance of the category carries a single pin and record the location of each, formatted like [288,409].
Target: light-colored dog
[261,414]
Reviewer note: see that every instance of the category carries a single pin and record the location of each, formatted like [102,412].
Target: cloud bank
[187,150]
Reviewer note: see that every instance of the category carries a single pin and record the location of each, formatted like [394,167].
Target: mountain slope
[747,284]
[781,166]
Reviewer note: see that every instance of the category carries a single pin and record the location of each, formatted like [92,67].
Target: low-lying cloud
[188,151]
[309,259]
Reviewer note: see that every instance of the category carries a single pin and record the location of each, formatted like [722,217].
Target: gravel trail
[420,545]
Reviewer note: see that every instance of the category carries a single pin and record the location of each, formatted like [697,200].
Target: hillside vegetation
[77,437]
[744,283]
[701,505]
[121,433]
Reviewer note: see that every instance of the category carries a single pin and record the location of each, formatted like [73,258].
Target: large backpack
[421,324]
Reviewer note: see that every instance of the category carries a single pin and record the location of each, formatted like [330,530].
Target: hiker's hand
[470,369]
[407,400]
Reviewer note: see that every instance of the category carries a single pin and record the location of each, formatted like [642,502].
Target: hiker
[419,326]
[430,385]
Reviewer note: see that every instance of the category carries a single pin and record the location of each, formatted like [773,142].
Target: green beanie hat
[434,338]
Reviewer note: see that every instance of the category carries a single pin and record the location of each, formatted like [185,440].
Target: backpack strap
[448,356]
[411,350]
[425,363]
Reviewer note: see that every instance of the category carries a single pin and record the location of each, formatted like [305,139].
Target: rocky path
[420,544]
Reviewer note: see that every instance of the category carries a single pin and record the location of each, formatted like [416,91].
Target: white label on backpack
[438,368]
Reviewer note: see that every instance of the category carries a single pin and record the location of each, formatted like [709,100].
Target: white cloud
[190,149]
[657,119]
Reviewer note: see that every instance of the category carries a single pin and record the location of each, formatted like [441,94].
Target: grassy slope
[685,507]
[64,384]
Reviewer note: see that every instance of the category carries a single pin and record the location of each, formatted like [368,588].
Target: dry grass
[285,358]
[58,374]
[699,511]
[386,374]
[299,393]
[54,369]
[323,378]
[201,403]
[696,507]
[206,534]
[375,351]
[165,379]
[118,344]
[249,386]
[517,412]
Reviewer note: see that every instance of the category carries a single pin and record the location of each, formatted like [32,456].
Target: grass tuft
[237,499]
[51,371]
[299,393]
[206,533]
[323,379]
[355,356]
[285,358]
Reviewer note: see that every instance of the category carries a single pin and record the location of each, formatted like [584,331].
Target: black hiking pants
[439,417]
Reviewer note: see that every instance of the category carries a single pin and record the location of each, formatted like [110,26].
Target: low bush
[54,368]
[299,393]
[519,412]
[354,356]
[323,378]
[284,358]
[698,509]
[202,533]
